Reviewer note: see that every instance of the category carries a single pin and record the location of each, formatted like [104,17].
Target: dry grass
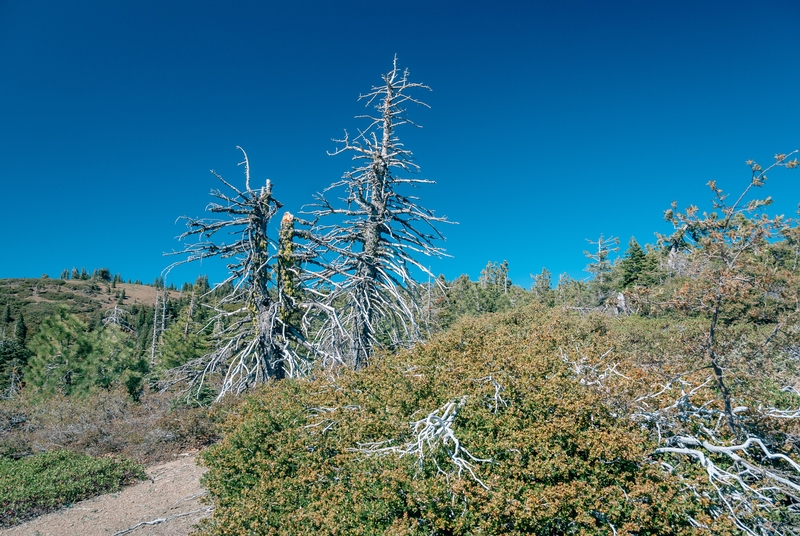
[107,423]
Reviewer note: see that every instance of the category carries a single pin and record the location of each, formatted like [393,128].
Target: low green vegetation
[36,484]
[533,450]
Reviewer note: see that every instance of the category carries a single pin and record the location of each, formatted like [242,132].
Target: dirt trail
[168,504]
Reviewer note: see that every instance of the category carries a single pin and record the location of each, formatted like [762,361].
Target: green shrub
[316,457]
[34,485]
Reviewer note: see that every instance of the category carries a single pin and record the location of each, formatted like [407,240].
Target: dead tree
[371,250]
[258,340]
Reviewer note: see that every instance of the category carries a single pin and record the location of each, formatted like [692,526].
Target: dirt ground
[168,504]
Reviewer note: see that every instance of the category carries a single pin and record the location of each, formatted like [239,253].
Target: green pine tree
[20,330]
[60,349]
[201,285]
[633,264]
[185,339]
[102,274]
[13,358]
[542,288]
[112,362]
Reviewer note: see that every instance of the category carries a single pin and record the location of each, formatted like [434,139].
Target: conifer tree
[735,412]
[601,267]
[201,285]
[188,339]
[102,274]
[495,276]
[13,354]
[69,359]
[20,330]
[543,287]
[13,358]
[60,349]
[6,315]
[633,264]
[373,241]
[112,362]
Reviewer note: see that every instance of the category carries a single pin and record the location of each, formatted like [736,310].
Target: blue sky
[550,123]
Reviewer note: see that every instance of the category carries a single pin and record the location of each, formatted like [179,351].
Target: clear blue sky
[550,122]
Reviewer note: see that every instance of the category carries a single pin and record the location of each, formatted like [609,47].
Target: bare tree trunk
[155,333]
[189,315]
[256,338]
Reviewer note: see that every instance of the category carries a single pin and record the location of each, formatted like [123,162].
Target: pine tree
[633,264]
[102,274]
[601,267]
[20,330]
[738,279]
[60,348]
[187,339]
[13,358]
[201,285]
[7,315]
[542,287]
[112,362]
[495,276]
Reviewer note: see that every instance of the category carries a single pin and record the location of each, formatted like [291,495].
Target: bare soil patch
[170,503]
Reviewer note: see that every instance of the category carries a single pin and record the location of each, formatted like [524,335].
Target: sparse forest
[358,393]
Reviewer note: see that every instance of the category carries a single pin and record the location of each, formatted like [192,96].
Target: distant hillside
[40,297]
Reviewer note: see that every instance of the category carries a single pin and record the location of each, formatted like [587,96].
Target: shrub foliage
[531,450]
[34,485]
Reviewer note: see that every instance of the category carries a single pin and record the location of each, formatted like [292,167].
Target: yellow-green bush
[302,457]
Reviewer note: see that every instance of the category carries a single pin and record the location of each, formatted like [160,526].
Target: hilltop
[37,298]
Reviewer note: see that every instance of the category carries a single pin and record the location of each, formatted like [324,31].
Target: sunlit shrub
[324,457]
[34,485]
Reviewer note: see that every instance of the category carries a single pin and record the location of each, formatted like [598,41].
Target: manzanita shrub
[48,480]
[486,429]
